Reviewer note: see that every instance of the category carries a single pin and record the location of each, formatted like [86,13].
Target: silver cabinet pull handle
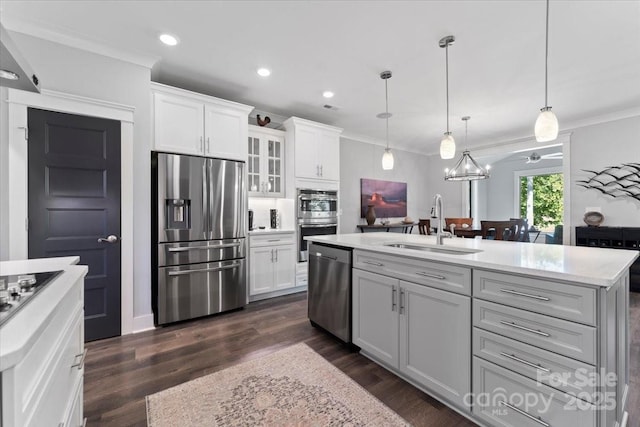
[271,255]
[517,359]
[204,248]
[80,363]
[317,170]
[526,414]
[321,173]
[203,270]
[377,264]
[522,294]
[433,276]
[273,240]
[401,301]
[276,255]
[201,145]
[524,328]
[109,239]
[208,145]
[393,298]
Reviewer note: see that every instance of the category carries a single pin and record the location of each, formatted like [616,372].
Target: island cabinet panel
[434,340]
[437,275]
[556,299]
[418,331]
[512,400]
[375,316]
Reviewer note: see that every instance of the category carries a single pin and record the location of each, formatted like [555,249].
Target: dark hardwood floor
[120,372]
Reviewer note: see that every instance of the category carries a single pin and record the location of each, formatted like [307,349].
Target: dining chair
[500,230]
[424,226]
[458,222]
[523,229]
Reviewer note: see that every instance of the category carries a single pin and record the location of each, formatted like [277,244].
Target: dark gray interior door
[74,201]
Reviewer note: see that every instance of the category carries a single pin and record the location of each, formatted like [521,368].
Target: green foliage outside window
[548,200]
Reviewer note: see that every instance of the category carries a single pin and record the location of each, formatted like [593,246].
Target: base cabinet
[422,332]
[271,263]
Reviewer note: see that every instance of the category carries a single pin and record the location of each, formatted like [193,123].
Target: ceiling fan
[535,157]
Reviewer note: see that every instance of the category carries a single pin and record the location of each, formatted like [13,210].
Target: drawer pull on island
[80,364]
[522,294]
[524,328]
[433,276]
[517,359]
[393,298]
[521,412]
[377,264]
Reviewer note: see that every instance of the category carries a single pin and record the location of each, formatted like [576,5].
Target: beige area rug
[291,387]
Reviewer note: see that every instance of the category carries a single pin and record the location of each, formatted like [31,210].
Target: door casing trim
[18,102]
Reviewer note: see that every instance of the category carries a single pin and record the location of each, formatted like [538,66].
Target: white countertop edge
[271,231]
[497,258]
[36,265]
[21,331]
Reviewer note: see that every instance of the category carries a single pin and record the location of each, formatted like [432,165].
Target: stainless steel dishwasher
[329,294]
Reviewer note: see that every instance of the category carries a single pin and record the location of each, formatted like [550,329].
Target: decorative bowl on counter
[593,219]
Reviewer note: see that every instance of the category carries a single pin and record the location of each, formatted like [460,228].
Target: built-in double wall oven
[317,215]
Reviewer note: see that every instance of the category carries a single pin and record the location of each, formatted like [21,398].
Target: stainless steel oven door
[194,290]
[305,230]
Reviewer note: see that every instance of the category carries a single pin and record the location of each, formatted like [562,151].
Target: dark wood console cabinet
[617,238]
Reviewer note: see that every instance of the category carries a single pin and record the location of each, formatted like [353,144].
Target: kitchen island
[42,348]
[505,333]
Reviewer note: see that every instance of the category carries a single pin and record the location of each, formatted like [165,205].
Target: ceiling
[496,66]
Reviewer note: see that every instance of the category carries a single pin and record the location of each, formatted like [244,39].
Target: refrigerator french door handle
[211,198]
[204,270]
[203,248]
[205,197]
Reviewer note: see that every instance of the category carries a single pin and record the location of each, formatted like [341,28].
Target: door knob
[110,239]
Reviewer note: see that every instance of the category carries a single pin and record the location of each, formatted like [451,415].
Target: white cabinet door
[375,315]
[435,340]
[261,270]
[307,164]
[284,267]
[265,163]
[225,133]
[178,124]
[329,156]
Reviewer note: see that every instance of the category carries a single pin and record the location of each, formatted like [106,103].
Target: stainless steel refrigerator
[198,236]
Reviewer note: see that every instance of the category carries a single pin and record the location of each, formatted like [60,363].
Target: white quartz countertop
[583,265]
[22,330]
[257,232]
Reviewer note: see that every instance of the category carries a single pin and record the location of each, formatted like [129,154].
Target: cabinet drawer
[557,299]
[58,387]
[541,365]
[556,335]
[531,404]
[437,275]
[272,239]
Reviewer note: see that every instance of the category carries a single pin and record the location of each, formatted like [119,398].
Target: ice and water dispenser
[178,214]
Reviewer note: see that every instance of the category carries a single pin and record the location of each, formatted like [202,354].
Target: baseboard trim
[143,323]
[268,295]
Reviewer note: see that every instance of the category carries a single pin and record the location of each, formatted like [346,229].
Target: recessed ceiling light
[9,75]
[264,72]
[328,94]
[168,39]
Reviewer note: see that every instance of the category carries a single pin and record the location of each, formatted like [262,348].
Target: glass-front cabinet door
[265,162]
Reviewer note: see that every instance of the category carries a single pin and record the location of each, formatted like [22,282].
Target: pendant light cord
[546,60]
[386,101]
[446,50]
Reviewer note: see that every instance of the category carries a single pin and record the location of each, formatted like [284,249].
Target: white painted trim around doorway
[17,104]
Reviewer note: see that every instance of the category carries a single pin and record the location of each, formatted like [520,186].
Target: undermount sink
[434,248]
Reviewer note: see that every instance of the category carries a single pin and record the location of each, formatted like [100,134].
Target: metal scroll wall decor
[615,181]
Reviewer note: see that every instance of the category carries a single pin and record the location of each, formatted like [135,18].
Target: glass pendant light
[467,169]
[387,157]
[447,144]
[546,128]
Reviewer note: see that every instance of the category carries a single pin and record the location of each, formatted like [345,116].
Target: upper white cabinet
[316,149]
[265,164]
[190,123]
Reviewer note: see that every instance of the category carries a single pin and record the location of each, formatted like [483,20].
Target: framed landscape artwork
[388,198]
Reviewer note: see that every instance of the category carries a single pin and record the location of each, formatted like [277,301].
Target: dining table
[470,233]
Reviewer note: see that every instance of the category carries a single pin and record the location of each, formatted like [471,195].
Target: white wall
[363,160]
[79,72]
[595,148]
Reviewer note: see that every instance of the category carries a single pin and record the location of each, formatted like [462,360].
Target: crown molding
[64,37]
